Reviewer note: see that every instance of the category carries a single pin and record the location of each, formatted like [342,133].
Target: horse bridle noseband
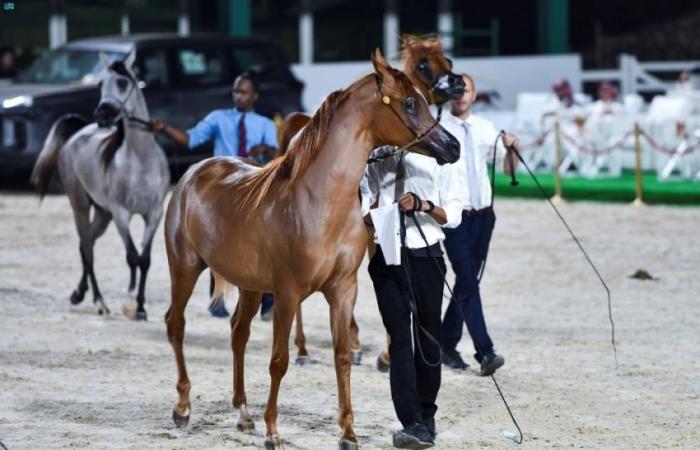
[122,106]
[418,136]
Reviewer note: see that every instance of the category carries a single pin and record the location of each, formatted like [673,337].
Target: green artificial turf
[621,189]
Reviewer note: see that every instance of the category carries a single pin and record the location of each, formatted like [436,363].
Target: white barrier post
[558,194]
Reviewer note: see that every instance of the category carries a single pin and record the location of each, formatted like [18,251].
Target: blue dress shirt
[222,126]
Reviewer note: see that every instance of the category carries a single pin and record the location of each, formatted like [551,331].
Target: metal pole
[306,33]
[58,28]
[639,200]
[558,194]
[445,26]
[391,29]
[183,20]
[125,25]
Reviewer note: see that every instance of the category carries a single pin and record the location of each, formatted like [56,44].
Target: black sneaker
[490,363]
[415,436]
[430,425]
[452,358]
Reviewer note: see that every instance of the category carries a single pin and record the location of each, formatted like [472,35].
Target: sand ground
[72,379]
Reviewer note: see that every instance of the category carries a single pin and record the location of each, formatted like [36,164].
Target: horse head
[429,69]
[120,94]
[404,118]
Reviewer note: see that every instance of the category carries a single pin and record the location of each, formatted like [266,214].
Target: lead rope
[431,337]
[566,225]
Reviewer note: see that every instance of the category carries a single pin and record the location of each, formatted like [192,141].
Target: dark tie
[242,137]
[400,180]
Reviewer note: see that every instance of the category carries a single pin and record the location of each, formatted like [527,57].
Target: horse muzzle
[441,145]
[106,115]
[448,87]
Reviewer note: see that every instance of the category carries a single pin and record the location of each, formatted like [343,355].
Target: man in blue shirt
[236,132]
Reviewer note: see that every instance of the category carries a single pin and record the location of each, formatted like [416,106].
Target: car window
[152,67]
[201,67]
[66,65]
[259,59]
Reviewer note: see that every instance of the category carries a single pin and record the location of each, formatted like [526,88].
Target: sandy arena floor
[69,378]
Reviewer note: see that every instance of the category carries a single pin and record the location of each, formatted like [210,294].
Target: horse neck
[339,165]
[138,140]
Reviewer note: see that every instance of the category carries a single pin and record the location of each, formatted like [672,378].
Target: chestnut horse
[292,227]
[431,72]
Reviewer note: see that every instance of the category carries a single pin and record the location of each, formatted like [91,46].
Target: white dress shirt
[483,135]
[443,185]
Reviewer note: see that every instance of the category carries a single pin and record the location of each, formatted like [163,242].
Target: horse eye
[122,84]
[409,103]
[423,66]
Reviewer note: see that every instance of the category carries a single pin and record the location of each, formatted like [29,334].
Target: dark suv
[183,78]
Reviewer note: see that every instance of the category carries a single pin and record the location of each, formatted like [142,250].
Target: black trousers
[414,384]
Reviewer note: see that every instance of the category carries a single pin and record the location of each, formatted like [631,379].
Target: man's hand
[510,140]
[158,125]
[407,202]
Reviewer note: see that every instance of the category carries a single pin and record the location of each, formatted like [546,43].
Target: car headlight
[20,100]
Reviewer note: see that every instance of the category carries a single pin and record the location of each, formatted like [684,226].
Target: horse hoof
[141,316]
[273,443]
[245,425]
[344,444]
[102,309]
[129,310]
[302,360]
[217,308]
[180,420]
[76,297]
[382,365]
[357,357]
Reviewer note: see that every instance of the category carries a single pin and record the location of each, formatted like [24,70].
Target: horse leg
[283,315]
[355,342]
[152,220]
[183,278]
[300,340]
[383,360]
[98,226]
[80,203]
[248,304]
[121,220]
[341,298]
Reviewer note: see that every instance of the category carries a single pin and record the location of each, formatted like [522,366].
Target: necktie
[400,180]
[242,151]
[470,158]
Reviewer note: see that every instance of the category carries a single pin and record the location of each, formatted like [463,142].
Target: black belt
[476,212]
[424,252]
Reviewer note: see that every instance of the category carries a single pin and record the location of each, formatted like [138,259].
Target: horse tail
[65,127]
[290,127]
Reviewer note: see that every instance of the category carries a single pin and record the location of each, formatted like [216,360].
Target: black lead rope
[412,302]
[566,225]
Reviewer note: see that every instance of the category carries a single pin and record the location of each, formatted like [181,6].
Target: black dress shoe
[430,425]
[452,358]
[415,436]
[490,363]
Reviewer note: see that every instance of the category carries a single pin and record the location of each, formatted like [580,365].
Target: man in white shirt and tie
[438,191]
[468,244]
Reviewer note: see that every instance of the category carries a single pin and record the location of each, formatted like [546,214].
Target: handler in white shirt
[440,191]
[468,244]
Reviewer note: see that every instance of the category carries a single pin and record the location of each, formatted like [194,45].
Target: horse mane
[109,146]
[285,171]
[413,47]
[119,67]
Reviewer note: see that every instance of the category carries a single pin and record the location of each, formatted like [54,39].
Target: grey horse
[113,168]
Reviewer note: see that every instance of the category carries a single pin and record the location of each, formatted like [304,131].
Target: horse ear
[381,67]
[130,58]
[104,60]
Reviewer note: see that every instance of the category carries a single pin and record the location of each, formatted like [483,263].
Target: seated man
[236,132]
